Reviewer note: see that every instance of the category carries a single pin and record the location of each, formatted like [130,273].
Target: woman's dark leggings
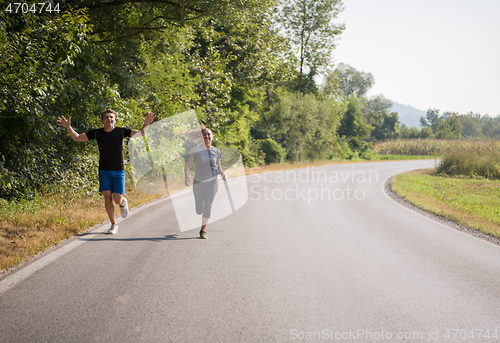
[204,195]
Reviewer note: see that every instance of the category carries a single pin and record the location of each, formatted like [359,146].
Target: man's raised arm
[148,120]
[77,137]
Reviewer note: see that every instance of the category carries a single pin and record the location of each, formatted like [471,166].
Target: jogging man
[111,168]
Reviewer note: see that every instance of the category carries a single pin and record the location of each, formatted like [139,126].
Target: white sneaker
[124,209]
[113,229]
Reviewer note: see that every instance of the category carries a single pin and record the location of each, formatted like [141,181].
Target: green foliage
[305,125]
[169,86]
[224,58]
[272,151]
[354,128]
[39,61]
[312,32]
[450,127]
[132,18]
[44,65]
[232,57]
[447,126]
[352,81]
[471,126]
[385,125]
[490,127]
[236,133]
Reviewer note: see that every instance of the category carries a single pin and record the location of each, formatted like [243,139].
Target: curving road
[317,254]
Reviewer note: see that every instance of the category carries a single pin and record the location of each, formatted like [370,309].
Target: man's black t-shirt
[110,147]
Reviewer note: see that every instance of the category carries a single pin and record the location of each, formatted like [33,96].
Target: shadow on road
[111,238]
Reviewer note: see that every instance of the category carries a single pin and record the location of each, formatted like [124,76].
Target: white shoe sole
[124,210]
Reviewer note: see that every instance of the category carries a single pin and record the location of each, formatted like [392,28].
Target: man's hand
[77,137]
[149,119]
[61,121]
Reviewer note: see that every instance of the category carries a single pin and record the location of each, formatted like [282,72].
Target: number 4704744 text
[22,7]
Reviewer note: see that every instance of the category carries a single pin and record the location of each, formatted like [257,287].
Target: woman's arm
[221,171]
[186,169]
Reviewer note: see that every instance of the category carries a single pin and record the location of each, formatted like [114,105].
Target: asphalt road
[318,254]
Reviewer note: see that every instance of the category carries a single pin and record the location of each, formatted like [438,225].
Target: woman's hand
[186,181]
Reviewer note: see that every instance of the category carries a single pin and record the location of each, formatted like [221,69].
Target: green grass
[471,202]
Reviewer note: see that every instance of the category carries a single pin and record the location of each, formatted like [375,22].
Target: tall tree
[353,127]
[125,19]
[311,28]
[470,125]
[352,81]
[385,125]
[432,120]
[490,127]
[450,127]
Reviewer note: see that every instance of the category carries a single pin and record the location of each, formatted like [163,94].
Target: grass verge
[470,202]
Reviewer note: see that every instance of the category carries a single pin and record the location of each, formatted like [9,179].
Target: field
[432,147]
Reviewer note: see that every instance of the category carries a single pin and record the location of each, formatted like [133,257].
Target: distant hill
[408,115]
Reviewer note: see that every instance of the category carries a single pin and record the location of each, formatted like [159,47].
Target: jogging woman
[206,159]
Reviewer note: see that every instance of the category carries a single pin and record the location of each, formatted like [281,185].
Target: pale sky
[442,54]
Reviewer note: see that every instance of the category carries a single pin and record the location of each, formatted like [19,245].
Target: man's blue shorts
[112,180]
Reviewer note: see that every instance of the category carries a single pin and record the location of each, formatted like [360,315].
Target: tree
[446,126]
[490,127]
[310,27]
[431,120]
[125,19]
[233,56]
[385,125]
[353,127]
[305,125]
[450,127]
[352,81]
[470,126]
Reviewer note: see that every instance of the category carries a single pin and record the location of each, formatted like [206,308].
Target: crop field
[433,147]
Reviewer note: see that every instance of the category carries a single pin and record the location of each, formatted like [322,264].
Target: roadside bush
[273,152]
[472,163]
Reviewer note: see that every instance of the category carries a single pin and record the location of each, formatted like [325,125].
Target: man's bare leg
[110,208]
